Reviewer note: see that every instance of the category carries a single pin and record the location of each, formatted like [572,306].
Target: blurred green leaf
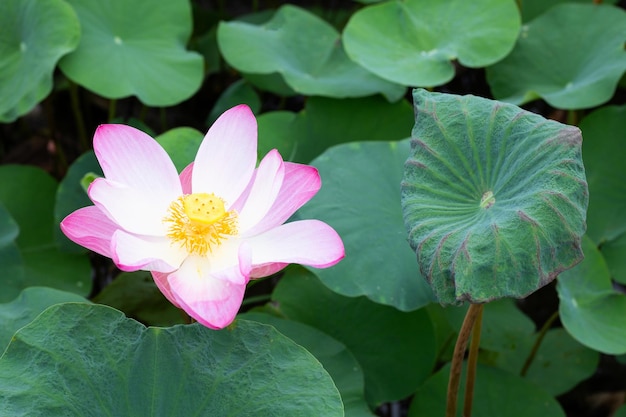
[135,48]
[603,145]
[360,198]
[277,131]
[496,393]
[532,8]
[572,56]
[11,272]
[395,360]
[28,194]
[71,195]
[494,197]
[326,122]
[273,83]
[504,326]
[305,50]
[181,144]
[206,45]
[239,92]
[591,310]
[603,131]
[136,294]
[336,359]
[413,42]
[560,364]
[35,35]
[621,412]
[507,338]
[103,362]
[9,230]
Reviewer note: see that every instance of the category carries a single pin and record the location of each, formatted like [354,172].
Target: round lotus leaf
[307,52]
[494,197]
[591,310]
[27,193]
[34,36]
[572,56]
[413,42]
[83,359]
[394,361]
[135,48]
[332,354]
[360,199]
[603,150]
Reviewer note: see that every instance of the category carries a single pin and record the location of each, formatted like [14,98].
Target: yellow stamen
[199,222]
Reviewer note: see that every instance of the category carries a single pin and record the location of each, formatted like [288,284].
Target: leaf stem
[472,361]
[457,357]
[542,333]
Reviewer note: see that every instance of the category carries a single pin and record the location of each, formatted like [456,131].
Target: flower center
[199,222]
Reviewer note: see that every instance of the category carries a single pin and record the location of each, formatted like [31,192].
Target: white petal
[135,211]
[132,253]
[131,157]
[306,242]
[227,156]
[267,183]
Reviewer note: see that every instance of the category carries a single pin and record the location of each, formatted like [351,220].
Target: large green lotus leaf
[497,393]
[533,8]
[305,50]
[494,197]
[135,48]
[360,199]
[35,35]
[591,310]
[413,42]
[337,360]
[621,412]
[604,131]
[395,361]
[79,358]
[28,305]
[572,56]
[325,122]
[28,194]
[136,294]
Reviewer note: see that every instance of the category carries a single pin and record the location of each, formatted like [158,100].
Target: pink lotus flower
[206,233]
